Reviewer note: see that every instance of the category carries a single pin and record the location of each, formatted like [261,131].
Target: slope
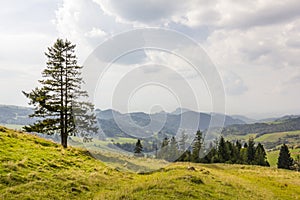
[34,168]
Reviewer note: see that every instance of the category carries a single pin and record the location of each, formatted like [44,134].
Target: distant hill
[15,115]
[180,111]
[279,125]
[143,124]
[247,120]
[107,114]
[273,119]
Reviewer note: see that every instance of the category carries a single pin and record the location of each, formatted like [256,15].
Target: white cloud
[95,32]
[85,24]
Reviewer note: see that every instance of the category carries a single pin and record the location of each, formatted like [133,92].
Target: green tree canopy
[260,157]
[138,147]
[197,145]
[58,103]
[251,150]
[285,160]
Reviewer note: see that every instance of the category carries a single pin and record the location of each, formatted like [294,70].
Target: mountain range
[139,124]
[15,115]
[114,123]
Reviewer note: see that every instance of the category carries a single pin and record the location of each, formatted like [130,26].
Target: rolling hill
[114,123]
[284,124]
[15,115]
[34,168]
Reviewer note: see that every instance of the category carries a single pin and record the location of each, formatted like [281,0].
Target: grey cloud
[294,43]
[295,80]
[255,52]
[234,85]
[135,57]
[268,15]
[143,11]
[149,69]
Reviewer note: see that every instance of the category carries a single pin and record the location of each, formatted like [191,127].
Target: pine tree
[211,157]
[138,148]
[238,147]
[182,141]
[58,102]
[243,156]
[185,156]
[197,145]
[250,150]
[182,144]
[173,150]
[222,153]
[285,160]
[230,152]
[165,143]
[163,152]
[260,157]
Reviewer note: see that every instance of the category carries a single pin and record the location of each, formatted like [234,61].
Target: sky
[254,45]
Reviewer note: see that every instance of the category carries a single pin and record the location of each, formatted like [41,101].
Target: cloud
[85,24]
[197,13]
[256,47]
[147,12]
[234,85]
[261,13]
[95,32]
[254,43]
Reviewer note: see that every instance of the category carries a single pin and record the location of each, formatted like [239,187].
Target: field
[33,168]
[292,138]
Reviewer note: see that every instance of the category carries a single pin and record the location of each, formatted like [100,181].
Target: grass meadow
[34,168]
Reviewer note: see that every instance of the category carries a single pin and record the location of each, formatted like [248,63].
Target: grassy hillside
[285,124]
[273,155]
[33,168]
[275,140]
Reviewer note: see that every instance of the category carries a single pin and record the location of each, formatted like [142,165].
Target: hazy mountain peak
[180,111]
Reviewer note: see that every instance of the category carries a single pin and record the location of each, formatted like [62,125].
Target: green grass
[241,137]
[34,168]
[103,144]
[122,140]
[274,137]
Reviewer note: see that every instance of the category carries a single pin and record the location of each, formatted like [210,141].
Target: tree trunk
[64,140]
[62,125]
[66,101]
